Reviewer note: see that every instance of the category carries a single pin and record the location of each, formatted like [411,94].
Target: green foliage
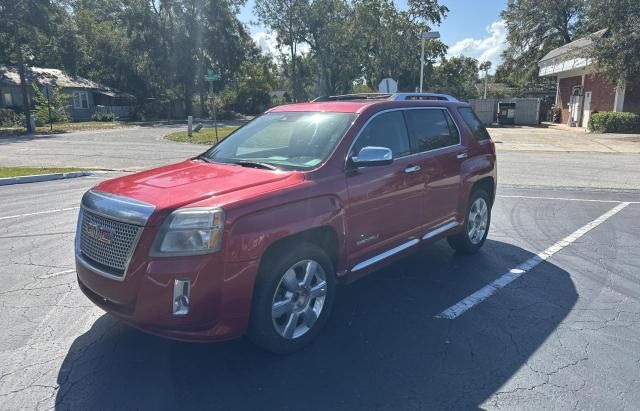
[9,118]
[51,110]
[456,76]
[103,116]
[618,52]
[614,122]
[535,27]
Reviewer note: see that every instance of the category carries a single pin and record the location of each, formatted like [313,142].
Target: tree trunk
[24,87]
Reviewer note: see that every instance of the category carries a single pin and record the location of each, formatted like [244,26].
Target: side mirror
[372,156]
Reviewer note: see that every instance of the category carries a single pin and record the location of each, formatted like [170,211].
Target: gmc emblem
[97,232]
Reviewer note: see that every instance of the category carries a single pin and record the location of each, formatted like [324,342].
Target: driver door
[386,203]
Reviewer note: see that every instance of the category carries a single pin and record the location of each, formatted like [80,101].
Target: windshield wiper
[202,157]
[255,164]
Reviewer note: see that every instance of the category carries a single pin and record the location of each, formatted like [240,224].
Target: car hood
[176,185]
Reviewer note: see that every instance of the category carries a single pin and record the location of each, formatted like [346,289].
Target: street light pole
[425,35]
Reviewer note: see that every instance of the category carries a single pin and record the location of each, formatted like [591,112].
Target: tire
[288,313]
[469,240]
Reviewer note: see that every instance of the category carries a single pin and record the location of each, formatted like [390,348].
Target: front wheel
[476,225]
[292,299]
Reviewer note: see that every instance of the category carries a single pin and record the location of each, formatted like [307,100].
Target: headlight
[190,231]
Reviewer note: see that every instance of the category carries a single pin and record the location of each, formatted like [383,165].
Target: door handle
[412,169]
[462,155]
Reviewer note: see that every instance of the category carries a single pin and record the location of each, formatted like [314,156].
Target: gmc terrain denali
[254,235]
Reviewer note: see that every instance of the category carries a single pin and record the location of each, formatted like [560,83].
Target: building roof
[55,77]
[577,46]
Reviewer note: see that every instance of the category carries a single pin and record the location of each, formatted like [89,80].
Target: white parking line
[57,274]
[39,212]
[568,199]
[491,288]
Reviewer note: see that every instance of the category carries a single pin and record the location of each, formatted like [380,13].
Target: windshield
[288,141]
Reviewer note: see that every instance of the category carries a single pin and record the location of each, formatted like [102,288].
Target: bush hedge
[103,116]
[614,122]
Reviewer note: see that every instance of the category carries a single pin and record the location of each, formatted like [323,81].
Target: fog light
[181,297]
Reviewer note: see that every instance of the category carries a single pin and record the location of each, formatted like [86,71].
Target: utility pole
[425,35]
[24,87]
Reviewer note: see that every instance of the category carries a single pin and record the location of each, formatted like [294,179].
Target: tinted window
[474,124]
[385,130]
[430,129]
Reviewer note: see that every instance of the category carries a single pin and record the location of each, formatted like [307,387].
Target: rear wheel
[292,299]
[476,225]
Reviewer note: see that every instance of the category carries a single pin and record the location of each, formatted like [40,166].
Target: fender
[471,171]
[251,234]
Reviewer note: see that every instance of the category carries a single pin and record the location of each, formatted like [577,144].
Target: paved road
[139,147]
[563,335]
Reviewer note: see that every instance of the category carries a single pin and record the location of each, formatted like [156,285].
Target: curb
[37,178]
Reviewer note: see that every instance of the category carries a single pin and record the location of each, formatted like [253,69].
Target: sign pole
[213,106]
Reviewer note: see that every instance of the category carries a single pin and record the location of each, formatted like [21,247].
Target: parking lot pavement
[563,334]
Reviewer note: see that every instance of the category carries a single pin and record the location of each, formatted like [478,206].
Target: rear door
[386,203]
[436,144]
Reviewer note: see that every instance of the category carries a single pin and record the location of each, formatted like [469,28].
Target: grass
[66,127]
[204,136]
[27,171]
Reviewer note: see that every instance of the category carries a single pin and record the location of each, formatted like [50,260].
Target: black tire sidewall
[261,330]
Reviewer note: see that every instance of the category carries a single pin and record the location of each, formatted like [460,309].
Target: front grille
[107,243]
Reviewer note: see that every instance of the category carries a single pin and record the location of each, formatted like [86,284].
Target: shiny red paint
[382,205]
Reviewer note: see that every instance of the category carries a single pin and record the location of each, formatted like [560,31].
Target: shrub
[103,116]
[614,122]
[9,118]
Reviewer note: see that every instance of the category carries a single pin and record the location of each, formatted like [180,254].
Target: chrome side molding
[388,253]
[439,230]
[123,209]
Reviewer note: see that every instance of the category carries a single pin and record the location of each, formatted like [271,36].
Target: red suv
[254,235]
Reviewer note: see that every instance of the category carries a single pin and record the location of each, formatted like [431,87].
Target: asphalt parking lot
[558,332]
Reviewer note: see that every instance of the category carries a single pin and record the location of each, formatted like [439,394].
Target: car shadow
[382,348]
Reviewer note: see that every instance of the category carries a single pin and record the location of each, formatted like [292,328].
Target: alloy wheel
[299,299]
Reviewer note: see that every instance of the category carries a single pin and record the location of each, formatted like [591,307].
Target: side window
[430,129]
[475,125]
[385,130]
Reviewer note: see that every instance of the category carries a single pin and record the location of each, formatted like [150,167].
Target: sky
[472,28]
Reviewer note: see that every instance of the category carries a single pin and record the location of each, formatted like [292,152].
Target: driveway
[131,148]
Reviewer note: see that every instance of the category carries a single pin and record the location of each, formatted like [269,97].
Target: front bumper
[219,297]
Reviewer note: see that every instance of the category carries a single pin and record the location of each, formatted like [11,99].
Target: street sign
[211,76]
[388,85]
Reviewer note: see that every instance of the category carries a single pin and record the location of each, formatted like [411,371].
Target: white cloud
[266,41]
[489,48]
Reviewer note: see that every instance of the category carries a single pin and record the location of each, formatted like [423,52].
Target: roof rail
[422,96]
[355,96]
[387,96]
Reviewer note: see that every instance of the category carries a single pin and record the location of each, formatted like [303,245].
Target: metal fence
[527,110]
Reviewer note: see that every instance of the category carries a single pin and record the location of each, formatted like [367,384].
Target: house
[87,96]
[581,88]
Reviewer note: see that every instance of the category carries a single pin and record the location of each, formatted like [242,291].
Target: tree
[22,24]
[534,27]
[286,18]
[456,76]
[617,53]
